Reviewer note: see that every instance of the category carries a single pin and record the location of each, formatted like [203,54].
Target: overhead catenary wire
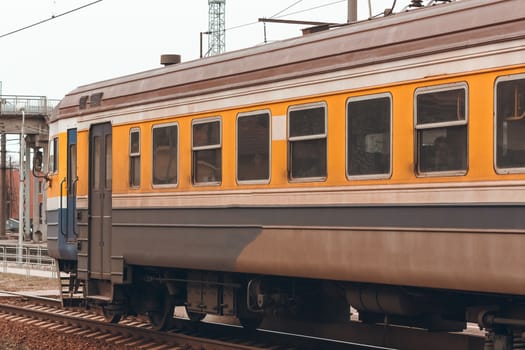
[227,29]
[287,8]
[48,19]
[288,14]
[277,14]
[313,8]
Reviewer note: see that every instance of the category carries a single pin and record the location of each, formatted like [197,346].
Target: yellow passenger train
[379,165]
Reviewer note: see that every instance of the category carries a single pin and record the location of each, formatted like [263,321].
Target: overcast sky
[111,38]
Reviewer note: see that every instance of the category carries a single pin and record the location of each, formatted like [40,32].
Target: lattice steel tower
[216,27]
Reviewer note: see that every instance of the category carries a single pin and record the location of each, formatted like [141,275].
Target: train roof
[435,29]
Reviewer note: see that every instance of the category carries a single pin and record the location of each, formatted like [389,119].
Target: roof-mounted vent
[90,101]
[82,102]
[168,60]
[96,99]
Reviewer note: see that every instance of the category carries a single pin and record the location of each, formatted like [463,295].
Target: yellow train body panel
[480,142]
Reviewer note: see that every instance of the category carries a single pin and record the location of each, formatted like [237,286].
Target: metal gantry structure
[26,116]
[216,27]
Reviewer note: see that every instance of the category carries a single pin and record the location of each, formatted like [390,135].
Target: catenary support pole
[352,11]
[3,185]
[21,226]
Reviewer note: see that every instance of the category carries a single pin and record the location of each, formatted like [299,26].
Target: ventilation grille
[82,103]
[94,100]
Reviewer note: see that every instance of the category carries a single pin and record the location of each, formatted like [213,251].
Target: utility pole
[3,184]
[201,34]
[3,173]
[10,196]
[352,11]
[21,198]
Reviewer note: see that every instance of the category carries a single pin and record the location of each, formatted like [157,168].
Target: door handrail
[74,193]
[62,207]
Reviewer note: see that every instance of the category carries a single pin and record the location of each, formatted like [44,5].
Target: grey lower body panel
[484,217]
[61,244]
[449,247]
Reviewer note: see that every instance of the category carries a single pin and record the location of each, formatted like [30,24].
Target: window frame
[249,114]
[165,125]
[108,159]
[133,155]
[391,162]
[53,151]
[290,139]
[502,170]
[204,148]
[439,125]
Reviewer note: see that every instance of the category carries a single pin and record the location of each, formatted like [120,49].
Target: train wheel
[161,317]
[111,315]
[195,316]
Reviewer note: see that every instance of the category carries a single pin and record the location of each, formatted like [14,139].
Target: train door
[100,210]
[71,224]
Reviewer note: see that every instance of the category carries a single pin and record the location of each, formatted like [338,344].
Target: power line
[289,7]
[288,14]
[242,25]
[313,8]
[49,19]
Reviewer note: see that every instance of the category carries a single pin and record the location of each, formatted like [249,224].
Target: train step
[100,298]
[71,290]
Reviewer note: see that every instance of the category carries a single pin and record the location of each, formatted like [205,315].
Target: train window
[206,151]
[307,142]
[510,124]
[253,146]
[134,157]
[108,161]
[441,128]
[165,154]
[73,160]
[96,165]
[368,136]
[53,155]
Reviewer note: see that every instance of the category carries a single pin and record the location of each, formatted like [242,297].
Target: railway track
[136,333]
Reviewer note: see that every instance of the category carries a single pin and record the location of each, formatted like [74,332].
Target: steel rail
[333,336]
[203,335]
[45,300]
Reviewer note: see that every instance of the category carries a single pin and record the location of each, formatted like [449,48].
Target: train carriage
[379,165]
